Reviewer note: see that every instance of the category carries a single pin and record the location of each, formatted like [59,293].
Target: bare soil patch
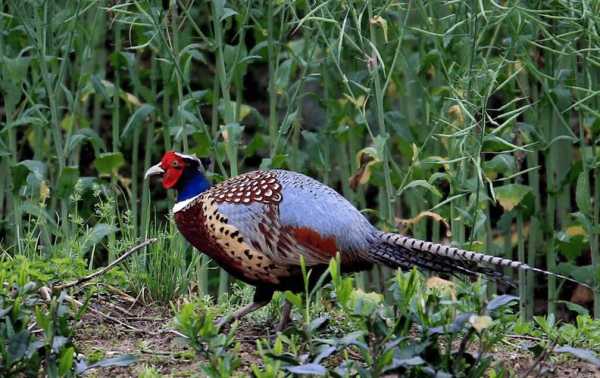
[146,331]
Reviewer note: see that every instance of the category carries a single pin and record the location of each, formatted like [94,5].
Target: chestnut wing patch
[315,242]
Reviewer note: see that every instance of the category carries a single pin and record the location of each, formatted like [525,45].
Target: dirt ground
[113,328]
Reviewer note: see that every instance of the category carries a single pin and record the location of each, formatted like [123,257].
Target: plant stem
[388,197]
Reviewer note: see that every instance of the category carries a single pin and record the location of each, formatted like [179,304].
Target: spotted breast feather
[256,227]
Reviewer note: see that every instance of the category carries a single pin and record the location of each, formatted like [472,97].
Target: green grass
[484,116]
[473,105]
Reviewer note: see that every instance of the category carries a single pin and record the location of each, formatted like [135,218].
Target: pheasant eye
[175,164]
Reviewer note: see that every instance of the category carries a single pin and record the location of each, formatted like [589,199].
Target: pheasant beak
[153,171]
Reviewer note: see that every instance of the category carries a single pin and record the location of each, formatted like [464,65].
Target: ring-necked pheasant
[257,225]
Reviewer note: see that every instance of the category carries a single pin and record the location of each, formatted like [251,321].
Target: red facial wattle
[174,167]
[171,177]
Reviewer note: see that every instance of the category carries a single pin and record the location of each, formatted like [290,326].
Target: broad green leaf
[287,122]
[324,352]
[96,234]
[499,301]
[511,195]
[22,170]
[276,162]
[457,325]
[317,323]
[67,181]
[282,76]
[82,135]
[202,144]
[109,163]
[98,88]
[137,118]
[501,164]
[219,6]
[294,299]
[36,167]
[579,309]
[227,12]
[420,184]
[25,121]
[15,70]
[585,273]
[307,369]
[124,360]
[571,244]
[58,342]
[17,345]
[584,354]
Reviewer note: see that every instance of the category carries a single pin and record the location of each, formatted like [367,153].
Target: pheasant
[257,225]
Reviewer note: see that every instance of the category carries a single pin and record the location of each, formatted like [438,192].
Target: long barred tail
[399,251]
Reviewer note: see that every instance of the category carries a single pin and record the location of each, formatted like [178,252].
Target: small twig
[116,290]
[118,308]
[176,333]
[81,280]
[145,319]
[526,337]
[541,358]
[104,315]
[158,353]
[177,356]
[136,299]
[463,346]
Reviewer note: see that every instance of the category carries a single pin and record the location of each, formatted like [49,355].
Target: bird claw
[225,320]
[281,326]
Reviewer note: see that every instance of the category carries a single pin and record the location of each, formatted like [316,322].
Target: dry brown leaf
[406,224]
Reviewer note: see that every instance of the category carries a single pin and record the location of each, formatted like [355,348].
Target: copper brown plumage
[258,226]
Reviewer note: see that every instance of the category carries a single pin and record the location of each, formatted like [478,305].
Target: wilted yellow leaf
[67,123]
[456,113]
[381,22]
[442,285]
[245,110]
[44,192]
[359,102]
[365,303]
[415,151]
[518,65]
[366,158]
[576,231]
[511,195]
[407,223]
[480,322]
[392,89]
[371,297]
[225,134]
[131,99]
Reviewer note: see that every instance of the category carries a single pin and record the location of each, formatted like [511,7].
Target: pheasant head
[184,173]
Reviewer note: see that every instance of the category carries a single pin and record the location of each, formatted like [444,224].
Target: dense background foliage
[468,122]
[471,122]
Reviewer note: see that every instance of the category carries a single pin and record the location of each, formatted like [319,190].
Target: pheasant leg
[262,297]
[241,313]
[286,313]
